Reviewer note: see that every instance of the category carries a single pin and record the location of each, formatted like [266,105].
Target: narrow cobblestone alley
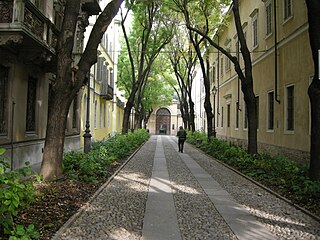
[162,194]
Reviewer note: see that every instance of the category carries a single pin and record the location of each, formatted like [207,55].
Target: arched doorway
[163,118]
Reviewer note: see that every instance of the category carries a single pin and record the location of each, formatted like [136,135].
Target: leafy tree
[147,38]
[183,60]
[158,91]
[313,7]
[203,13]
[155,92]
[245,77]
[70,79]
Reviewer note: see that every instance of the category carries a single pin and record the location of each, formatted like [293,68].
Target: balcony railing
[106,91]
[22,17]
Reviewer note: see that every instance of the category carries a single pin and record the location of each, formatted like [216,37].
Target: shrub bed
[93,166]
[80,169]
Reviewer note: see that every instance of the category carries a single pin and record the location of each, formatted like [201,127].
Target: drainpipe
[12,121]
[218,80]
[275,52]
[238,91]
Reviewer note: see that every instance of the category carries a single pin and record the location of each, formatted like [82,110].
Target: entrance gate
[163,121]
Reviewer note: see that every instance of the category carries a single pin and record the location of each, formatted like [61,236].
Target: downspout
[275,52]
[218,82]
[12,121]
[238,56]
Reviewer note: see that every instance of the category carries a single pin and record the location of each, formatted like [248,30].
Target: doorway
[163,121]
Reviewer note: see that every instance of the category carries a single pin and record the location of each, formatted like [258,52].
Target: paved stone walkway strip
[242,223]
[160,221]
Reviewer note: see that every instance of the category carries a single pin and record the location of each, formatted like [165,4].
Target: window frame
[5,103]
[287,10]
[34,112]
[268,20]
[255,34]
[289,129]
[270,99]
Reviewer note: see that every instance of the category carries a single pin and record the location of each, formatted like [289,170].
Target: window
[100,122]
[228,63]
[290,108]
[106,41]
[213,74]
[221,67]
[74,114]
[104,115]
[4,72]
[218,117]
[95,115]
[101,69]
[268,17]
[31,105]
[109,117]
[237,115]
[270,115]
[255,30]
[111,78]
[85,108]
[287,9]
[228,115]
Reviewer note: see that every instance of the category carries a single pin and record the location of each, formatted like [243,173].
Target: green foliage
[94,166]
[22,233]
[284,176]
[16,193]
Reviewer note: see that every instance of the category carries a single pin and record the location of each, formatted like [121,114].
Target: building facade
[28,35]
[103,98]
[165,120]
[277,37]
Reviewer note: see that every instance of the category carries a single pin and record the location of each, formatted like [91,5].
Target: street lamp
[87,136]
[214,91]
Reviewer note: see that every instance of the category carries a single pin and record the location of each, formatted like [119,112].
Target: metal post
[87,136]
[214,111]
[319,64]
[12,122]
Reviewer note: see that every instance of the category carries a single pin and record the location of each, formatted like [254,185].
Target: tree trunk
[66,86]
[313,7]
[246,82]
[250,101]
[207,102]
[126,117]
[51,167]
[191,120]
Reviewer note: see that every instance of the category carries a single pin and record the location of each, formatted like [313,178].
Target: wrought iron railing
[24,16]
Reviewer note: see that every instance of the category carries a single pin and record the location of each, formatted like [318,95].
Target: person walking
[182,136]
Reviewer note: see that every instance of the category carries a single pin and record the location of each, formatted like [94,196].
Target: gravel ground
[197,216]
[117,212]
[282,219]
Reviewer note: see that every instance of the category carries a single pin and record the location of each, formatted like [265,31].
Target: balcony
[106,91]
[91,7]
[25,31]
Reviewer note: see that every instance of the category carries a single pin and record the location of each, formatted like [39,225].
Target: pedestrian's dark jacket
[182,134]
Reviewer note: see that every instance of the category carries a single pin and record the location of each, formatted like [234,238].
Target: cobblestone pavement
[119,209]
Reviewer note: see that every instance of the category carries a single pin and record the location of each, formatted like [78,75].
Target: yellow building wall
[294,68]
[105,116]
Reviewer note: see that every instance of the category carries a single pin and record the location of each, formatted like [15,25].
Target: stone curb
[92,198]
